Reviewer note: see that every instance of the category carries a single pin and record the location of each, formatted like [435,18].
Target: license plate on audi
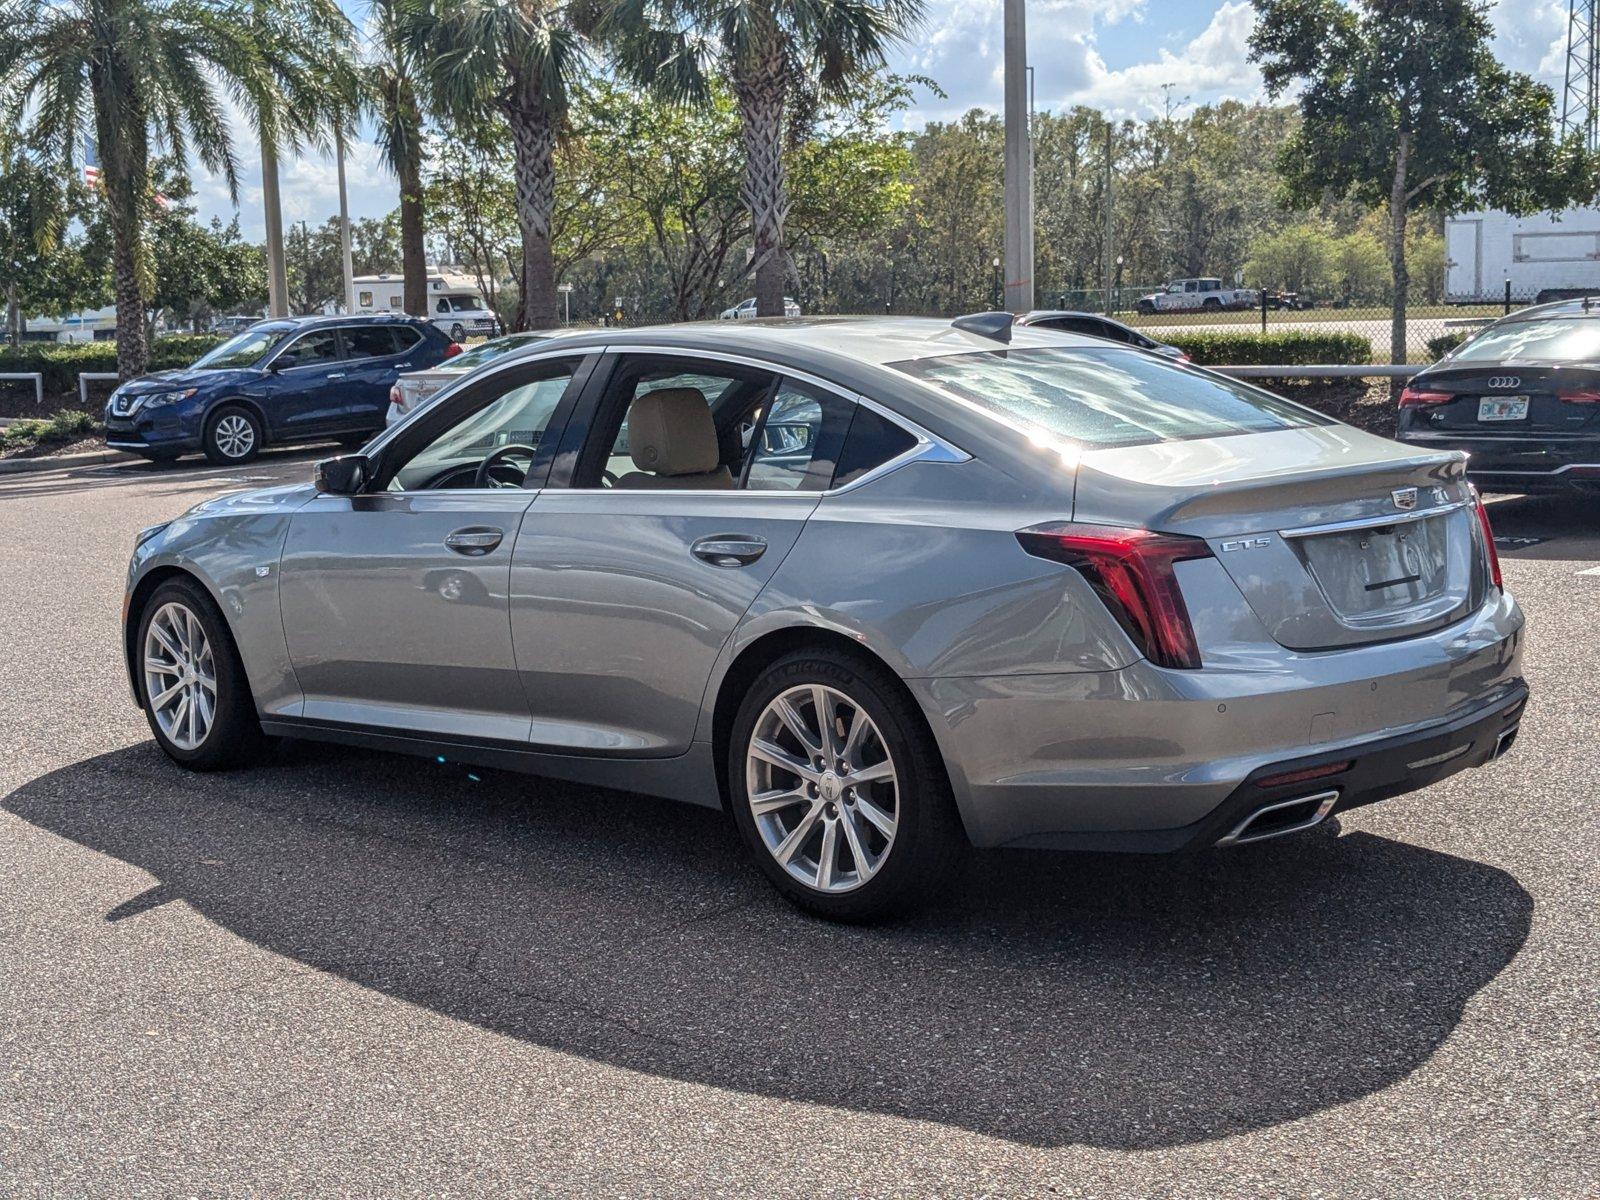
[1503,408]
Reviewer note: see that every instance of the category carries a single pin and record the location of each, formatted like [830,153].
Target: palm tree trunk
[760,91]
[124,172]
[413,252]
[534,138]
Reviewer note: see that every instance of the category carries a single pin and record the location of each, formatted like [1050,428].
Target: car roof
[1585,306]
[318,320]
[873,340]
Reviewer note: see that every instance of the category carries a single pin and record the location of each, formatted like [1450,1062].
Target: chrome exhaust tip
[1281,817]
[1503,743]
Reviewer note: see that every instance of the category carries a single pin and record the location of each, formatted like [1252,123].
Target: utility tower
[1580,97]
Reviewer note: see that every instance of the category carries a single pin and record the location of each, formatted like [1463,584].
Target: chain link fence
[1430,328]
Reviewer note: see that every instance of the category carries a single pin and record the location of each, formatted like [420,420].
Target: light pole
[344,226]
[1019,163]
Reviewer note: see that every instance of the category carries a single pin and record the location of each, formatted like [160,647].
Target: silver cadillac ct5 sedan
[879,588]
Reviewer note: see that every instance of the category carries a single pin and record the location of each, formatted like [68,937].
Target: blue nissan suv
[293,380]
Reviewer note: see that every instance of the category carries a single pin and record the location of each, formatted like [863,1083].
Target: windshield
[1556,339]
[489,351]
[1099,397]
[242,349]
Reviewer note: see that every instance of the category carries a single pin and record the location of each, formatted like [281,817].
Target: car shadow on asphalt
[1047,999]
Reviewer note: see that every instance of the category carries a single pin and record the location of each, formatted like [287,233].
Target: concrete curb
[62,462]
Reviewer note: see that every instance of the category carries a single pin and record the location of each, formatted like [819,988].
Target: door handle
[475,540]
[729,550]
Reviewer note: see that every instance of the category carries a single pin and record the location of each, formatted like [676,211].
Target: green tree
[520,59]
[132,72]
[1403,103]
[33,214]
[1296,258]
[778,58]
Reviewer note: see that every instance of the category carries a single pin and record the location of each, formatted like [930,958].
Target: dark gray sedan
[879,588]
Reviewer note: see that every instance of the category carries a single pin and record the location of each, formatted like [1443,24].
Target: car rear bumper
[1147,759]
[1519,463]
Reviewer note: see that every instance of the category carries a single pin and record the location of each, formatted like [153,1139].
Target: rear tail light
[453,349]
[1184,358]
[1413,398]
[394,393]
[1131,571]
[1578,397]
[1490,553]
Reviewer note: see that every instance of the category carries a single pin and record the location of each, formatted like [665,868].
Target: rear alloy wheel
[838,790]
[233,435]
[191,683]
[457,334]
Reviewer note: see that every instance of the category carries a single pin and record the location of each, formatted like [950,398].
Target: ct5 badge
[1246,543]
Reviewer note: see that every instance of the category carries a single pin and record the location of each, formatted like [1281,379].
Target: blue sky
[1113,54]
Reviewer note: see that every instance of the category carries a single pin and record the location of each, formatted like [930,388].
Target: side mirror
[345,475]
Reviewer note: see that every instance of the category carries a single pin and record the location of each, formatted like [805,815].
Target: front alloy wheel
[180,675]
[822,788]
[191,682]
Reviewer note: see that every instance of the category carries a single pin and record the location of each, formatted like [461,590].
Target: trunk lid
[1334,537]
[1488,399]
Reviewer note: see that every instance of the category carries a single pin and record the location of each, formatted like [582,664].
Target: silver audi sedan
[879,588]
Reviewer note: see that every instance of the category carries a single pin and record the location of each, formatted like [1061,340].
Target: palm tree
[778,56]
[520,58]
[391,83]
[132,74]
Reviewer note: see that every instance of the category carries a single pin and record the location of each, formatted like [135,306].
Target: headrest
[670,432]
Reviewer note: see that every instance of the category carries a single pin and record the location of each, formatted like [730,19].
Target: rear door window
[1097,397]
[368,341]
[795,440]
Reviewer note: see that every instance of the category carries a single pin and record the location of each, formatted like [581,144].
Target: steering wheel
[482,479]
[609,478]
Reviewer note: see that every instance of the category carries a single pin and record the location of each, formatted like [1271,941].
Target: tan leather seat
[673,443]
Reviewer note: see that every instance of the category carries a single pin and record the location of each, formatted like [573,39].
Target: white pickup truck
[1186,295]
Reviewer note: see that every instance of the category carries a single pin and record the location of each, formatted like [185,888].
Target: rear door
[623,594]
[372,364]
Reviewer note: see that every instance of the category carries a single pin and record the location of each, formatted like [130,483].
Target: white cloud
[1214,65]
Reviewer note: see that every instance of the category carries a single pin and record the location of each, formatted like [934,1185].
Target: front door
[305,392]
[395,600]
[626,586]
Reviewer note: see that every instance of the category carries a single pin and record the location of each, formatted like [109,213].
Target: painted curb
[62,462]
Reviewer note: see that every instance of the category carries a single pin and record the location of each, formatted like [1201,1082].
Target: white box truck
[1547,256]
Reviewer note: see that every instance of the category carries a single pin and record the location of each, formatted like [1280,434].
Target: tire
[917,850]
[160,460]
[1145,307]
[233,735]
[233,435]
[1212,303]
[457,334]
[353,441]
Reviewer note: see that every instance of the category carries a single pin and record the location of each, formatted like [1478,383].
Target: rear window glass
[1552,338]
[1107,397]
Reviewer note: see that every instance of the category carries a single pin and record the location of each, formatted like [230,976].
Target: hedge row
[60,362]
[1286,348]
[1440,346]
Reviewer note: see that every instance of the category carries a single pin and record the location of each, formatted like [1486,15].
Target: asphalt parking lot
[343,972]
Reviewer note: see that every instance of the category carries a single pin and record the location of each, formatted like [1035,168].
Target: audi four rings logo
[1404,497]
[1504,382]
